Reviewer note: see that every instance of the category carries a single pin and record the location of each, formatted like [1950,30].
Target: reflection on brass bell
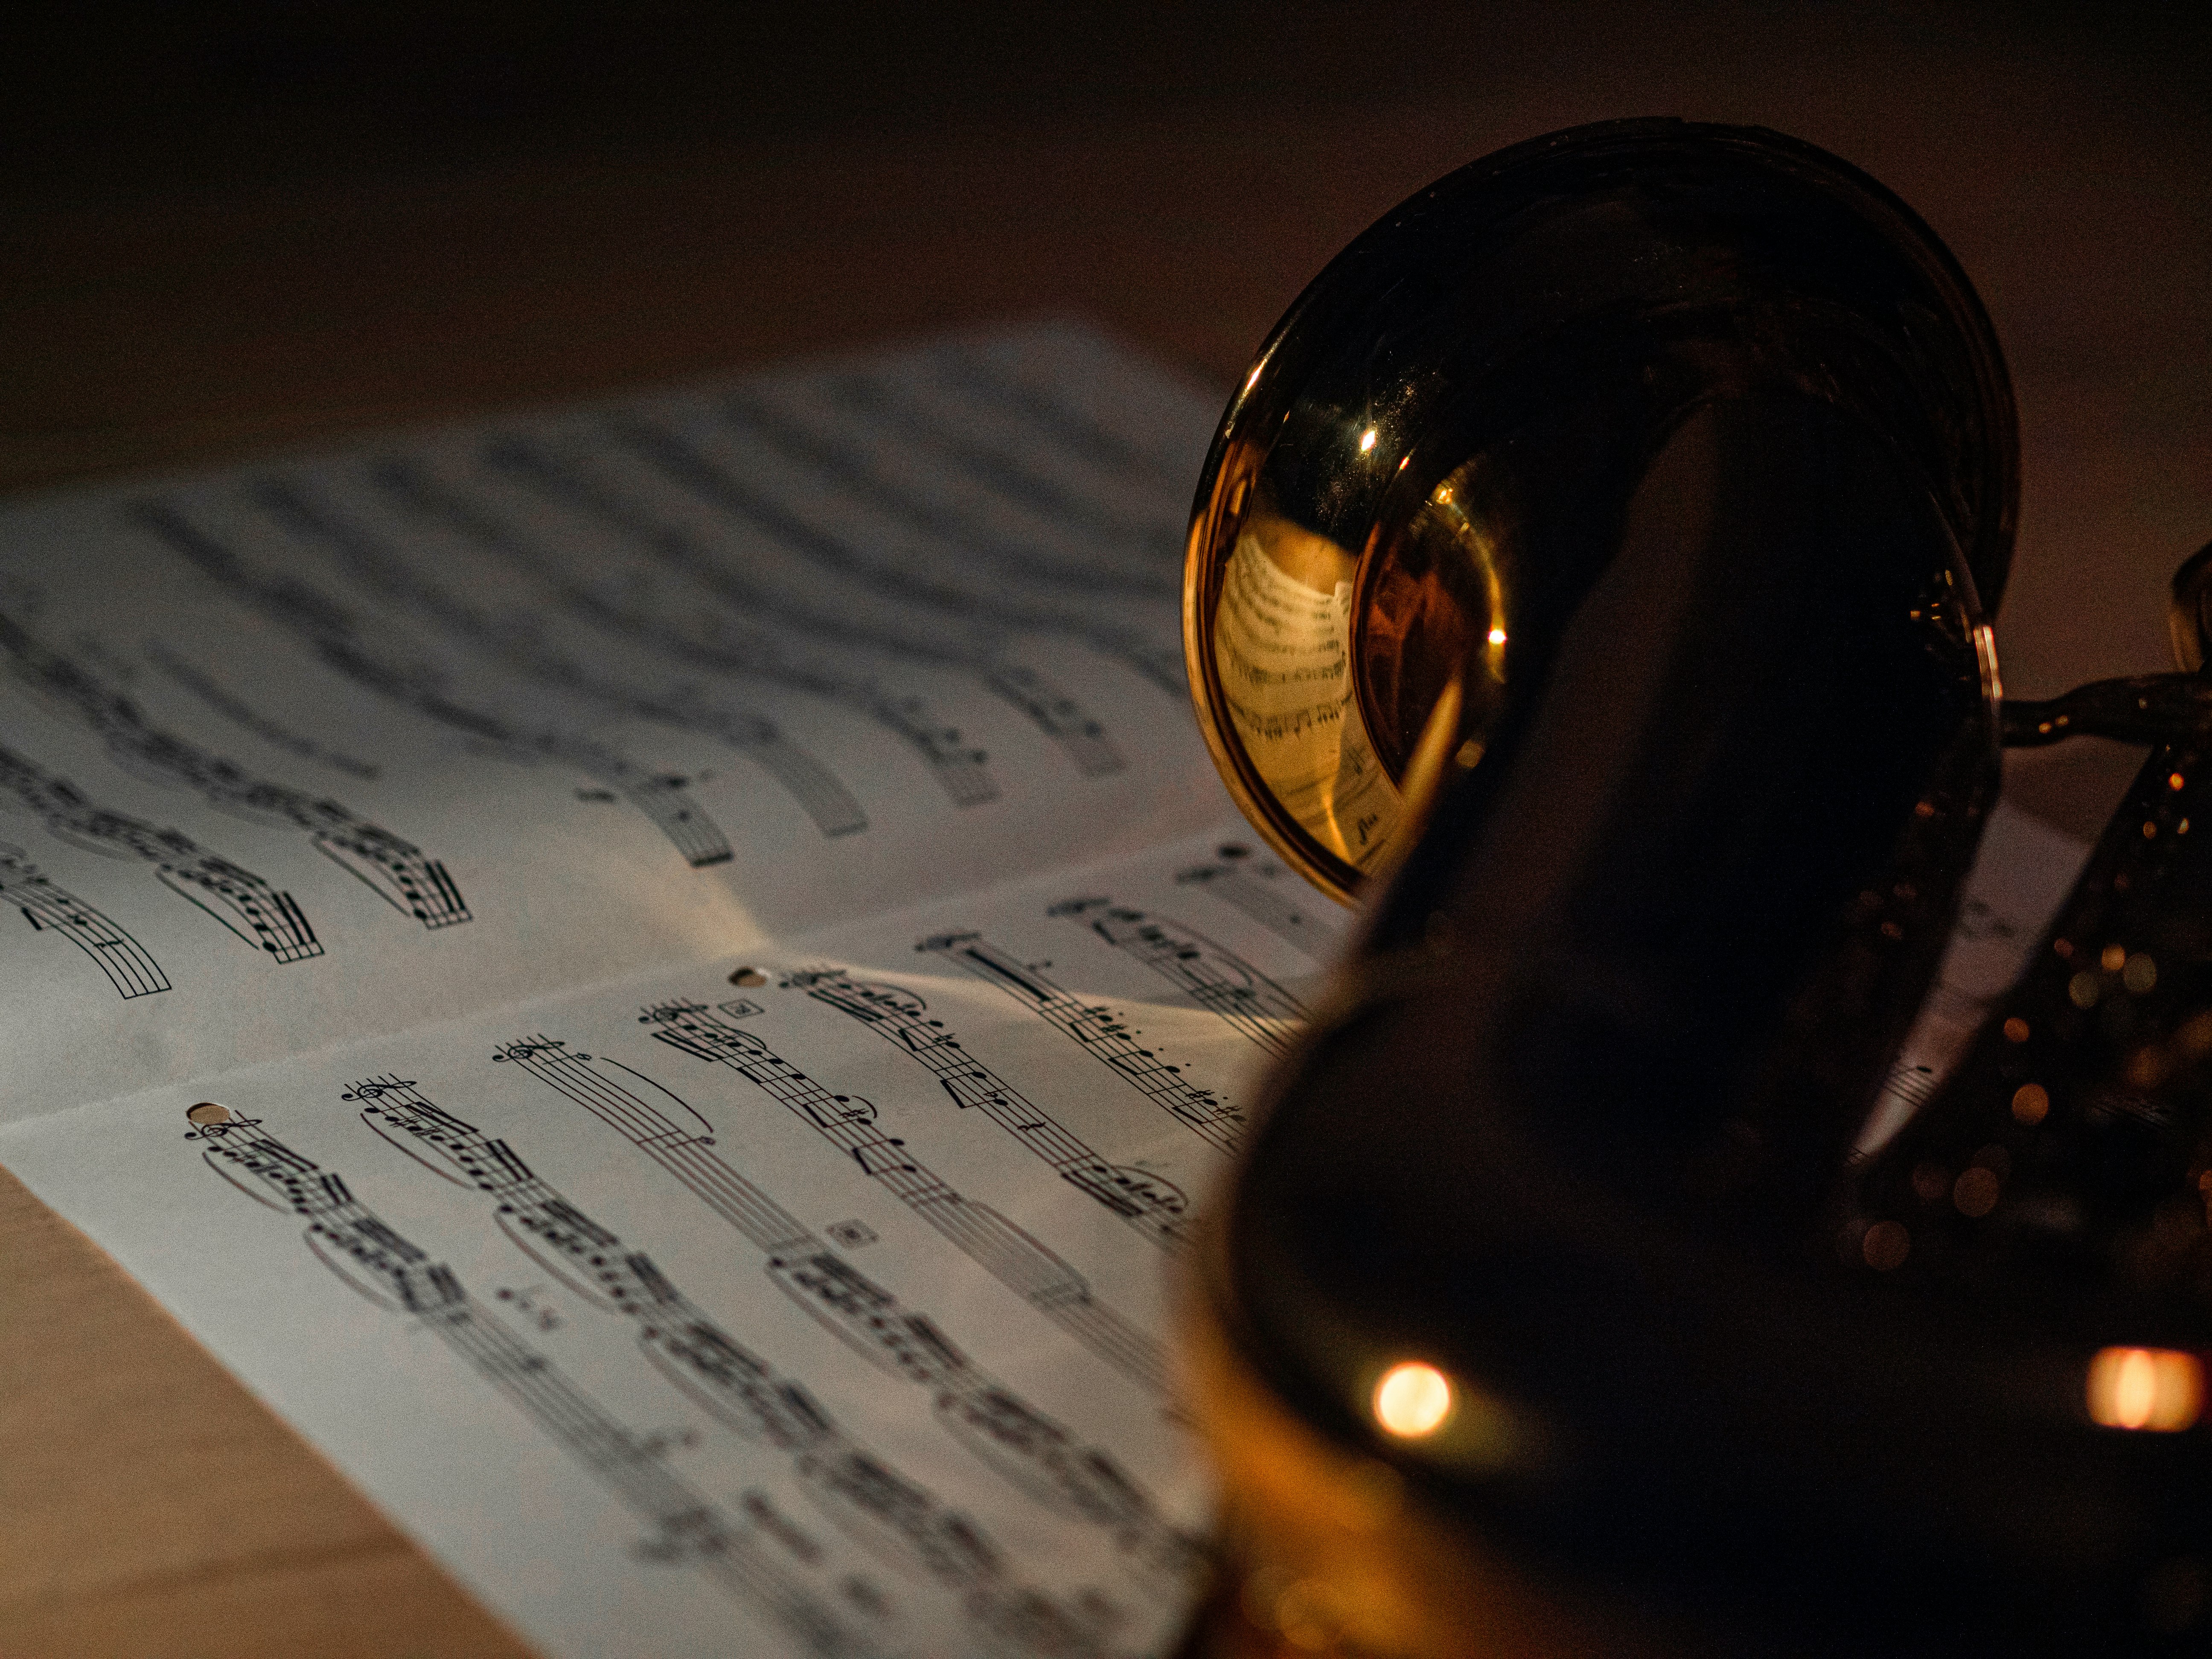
[1596,568]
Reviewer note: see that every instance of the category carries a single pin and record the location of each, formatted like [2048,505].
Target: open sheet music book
[663,980]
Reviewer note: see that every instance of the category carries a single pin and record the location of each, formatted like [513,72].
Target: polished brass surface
[1594,575]
[1403,495]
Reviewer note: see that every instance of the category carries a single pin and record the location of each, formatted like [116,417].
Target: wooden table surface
[149,1505]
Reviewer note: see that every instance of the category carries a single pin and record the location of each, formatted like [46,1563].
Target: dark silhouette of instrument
[1596,573]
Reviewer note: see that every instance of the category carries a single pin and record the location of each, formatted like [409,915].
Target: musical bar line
[242,901]
[1101,1032]
[1153,1205]
[1018,1440]
[376,1260]
[395,871]
[859,1488]
[995,1244]
[1214,976]
[380,663]
[713,642]
[51,908]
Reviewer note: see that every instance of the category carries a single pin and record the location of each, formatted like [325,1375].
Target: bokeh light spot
[1412,1400]
[1977,1191]
[1886,1246]
[2156,1388]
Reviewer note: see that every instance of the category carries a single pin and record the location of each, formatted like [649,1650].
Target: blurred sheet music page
[662,978]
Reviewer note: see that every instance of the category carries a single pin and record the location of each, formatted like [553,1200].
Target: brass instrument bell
[1597,567]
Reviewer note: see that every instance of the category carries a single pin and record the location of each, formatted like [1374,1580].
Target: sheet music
[325,747]
[668,981]
[474,941]
[808,1300]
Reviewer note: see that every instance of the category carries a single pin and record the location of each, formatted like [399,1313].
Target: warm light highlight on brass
[1320,671]
[2154,1388]
[1281,653]
[1412,1400]
[1327,1549]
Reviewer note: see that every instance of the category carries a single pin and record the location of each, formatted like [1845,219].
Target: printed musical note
[372,1256]
[1101,1032]
[397,872]
[514,641]
[716,641]
[53,909]
[386,665]
[1214,977]
[746,636]
[1154,1205]
[856,459]
[922,586]
[1020,1442]
[886,1512]
[1044,409]
[986,1238]
[265,918]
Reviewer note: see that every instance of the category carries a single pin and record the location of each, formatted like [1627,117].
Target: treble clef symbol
[375,1089]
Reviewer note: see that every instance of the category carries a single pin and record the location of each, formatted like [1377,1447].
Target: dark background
[109,101]
[235,223]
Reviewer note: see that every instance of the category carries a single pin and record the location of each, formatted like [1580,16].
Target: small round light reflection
[2154,1389]
[1412,1400]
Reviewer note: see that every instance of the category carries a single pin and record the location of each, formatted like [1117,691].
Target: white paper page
[2021,877]
[321,749]
[820,1312]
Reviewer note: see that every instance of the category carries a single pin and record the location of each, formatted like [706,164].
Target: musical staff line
[995,1244]
[1214,976]
[1021,1443]
[382,666]
[855,461]
[244,903]
[961,770]
[1044,409]
[884,1510]
[395,871]
[1046,705]
[51,908]
[1151,1204]
[1101,1032]
[1271,895]
[240,713]
[514,641]
[686,465]
[376,1260]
